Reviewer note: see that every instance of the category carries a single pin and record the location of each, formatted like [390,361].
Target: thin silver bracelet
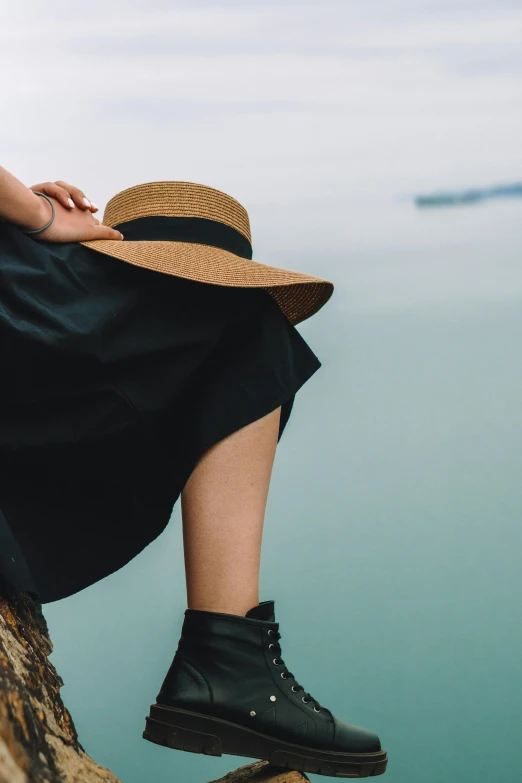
[37,230]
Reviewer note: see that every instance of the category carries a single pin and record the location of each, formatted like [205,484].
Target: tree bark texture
[262,772]
[38,740]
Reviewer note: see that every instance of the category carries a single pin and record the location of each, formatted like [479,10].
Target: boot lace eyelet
[283,676]
[270,632]
[270,646]
[294,689]
[316,710]
[305,701]
[275,662]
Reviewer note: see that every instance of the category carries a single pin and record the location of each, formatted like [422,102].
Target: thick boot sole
[191,731]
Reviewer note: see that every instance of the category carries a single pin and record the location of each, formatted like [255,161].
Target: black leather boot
[228,691]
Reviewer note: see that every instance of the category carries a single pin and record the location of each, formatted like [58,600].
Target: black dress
[115,379]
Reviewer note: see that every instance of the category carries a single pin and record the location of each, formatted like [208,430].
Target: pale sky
[307,113]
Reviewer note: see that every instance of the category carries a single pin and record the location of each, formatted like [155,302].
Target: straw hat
[197,232]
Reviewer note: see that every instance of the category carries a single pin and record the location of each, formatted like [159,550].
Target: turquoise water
[393,530]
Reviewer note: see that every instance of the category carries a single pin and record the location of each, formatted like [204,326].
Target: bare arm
[73,222]
[19,205]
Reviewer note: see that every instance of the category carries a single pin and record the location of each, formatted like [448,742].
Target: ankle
[224,607]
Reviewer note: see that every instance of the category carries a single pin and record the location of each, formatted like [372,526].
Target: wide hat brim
[298,295]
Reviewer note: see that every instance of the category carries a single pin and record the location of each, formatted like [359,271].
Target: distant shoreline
[468,196]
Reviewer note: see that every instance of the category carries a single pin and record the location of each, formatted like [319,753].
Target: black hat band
[160,228]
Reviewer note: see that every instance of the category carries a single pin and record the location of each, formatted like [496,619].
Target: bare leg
[223,508]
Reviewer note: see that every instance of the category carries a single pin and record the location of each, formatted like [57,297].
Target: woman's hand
[74,221]
[73,225]
[67,195]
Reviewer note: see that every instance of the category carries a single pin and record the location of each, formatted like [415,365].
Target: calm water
[393,530]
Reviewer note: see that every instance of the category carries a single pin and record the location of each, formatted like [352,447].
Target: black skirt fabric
[115,379]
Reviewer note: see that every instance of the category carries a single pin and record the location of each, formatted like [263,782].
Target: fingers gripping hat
[199,233]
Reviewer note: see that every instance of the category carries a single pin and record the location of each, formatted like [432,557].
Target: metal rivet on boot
[272,698]
[252,713]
